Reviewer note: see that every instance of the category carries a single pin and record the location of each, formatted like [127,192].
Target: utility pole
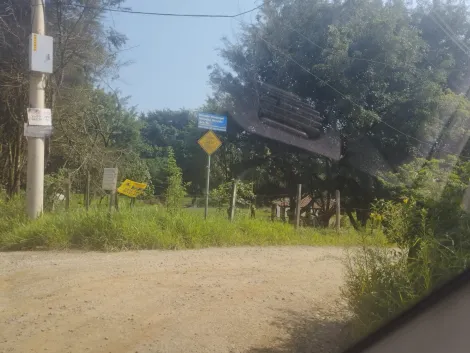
[35,170]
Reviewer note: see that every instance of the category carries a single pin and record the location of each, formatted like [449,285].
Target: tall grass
[153,227]
[12,213]
[434,241]
[383,282]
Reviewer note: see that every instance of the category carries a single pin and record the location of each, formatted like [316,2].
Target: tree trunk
[352,220]
[362,216]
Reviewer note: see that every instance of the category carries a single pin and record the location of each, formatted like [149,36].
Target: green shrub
[176,190]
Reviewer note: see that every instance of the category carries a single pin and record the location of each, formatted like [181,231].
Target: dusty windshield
[242,176]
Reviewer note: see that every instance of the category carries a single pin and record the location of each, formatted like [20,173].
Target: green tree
[176,189]
[372,69]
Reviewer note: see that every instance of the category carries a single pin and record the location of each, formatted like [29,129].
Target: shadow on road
[306,334]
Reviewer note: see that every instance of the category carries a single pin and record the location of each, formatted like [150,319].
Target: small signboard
[209,142]
[110,179]
[212,122]
[39,116]
[37,131]
[131,188]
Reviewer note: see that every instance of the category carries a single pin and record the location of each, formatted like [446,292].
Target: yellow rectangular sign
[209,142]
[131,188]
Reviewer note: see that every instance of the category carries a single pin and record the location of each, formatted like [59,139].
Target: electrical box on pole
[40,53]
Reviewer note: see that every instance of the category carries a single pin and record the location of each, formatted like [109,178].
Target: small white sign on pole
[39,116]
[37,131]
[110,179]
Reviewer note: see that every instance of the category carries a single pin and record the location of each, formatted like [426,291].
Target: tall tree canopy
[383,75]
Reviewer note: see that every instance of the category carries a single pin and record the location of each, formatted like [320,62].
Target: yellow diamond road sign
[209,142]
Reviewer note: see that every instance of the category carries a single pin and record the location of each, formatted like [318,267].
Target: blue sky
[170,55]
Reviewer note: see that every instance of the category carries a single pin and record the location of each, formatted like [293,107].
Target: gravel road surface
[253,300]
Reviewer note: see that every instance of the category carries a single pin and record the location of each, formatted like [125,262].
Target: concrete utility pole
[35,171]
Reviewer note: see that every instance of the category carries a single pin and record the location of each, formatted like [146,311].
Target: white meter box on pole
[40,53]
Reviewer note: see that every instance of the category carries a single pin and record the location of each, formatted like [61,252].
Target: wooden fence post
[87,191]
[111,203]
[116,200]
[273,211]
[338,211]
[234,200]
[68,191]
[297,207]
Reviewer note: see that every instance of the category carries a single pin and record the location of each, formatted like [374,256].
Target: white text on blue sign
[212,122]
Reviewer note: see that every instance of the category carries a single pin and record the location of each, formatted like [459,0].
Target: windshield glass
[244,176]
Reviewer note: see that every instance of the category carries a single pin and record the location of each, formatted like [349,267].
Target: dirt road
[266,300]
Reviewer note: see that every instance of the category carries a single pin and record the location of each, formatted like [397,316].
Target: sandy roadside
[274,299]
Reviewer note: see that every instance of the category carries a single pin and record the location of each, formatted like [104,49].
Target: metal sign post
[208,175]
[209,143]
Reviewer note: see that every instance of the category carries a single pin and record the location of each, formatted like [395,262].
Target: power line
[120,10]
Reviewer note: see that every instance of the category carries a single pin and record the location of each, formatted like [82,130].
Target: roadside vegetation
[165,224]
[155,227]
[429,223]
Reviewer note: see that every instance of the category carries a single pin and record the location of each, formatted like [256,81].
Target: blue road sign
[212,122]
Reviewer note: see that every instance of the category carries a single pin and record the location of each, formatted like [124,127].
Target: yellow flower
[405,200]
